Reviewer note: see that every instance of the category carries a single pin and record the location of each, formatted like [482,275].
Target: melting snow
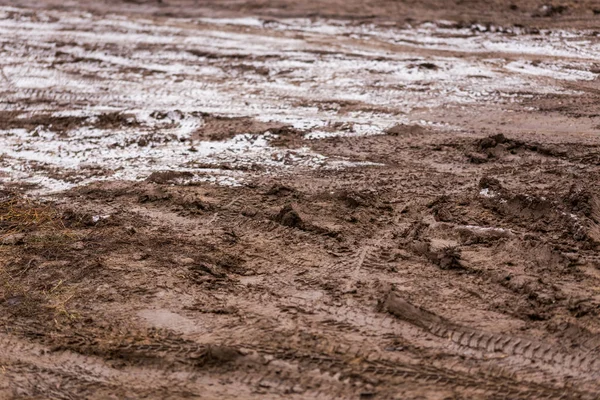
[334,73]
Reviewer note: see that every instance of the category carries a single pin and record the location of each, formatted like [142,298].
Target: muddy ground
[276,199]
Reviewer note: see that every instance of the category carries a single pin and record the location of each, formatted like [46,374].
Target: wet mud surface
[270,201]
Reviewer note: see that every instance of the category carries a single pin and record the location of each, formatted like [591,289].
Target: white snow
[312,75]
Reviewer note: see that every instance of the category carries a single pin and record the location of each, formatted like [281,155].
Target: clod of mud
[397,306]
[492,147]
[217,128]
[63,124]
[474,234]
[287,216]
[218,265]
[406,130]
[280,191]
[477,158]
[429,66]
[203,269]
[490,183]
[581,199]
[287,136]
[163,177]
[529,207]
[440,208]
[18,120]
[222,354]
[491,141]
[353,199]
[153,194]
[550,10]
[192,203]
[446,254]
[114,120]
[497,147]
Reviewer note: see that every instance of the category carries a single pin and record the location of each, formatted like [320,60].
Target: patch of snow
[359,77]
[487,193]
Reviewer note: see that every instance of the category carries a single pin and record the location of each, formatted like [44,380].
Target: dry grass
[20,291]
[19,214]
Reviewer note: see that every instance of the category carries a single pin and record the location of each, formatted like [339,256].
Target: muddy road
[297,200]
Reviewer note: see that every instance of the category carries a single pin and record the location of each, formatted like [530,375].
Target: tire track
[588,363]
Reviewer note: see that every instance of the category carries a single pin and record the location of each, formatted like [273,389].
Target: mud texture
[531,13]
[211,200]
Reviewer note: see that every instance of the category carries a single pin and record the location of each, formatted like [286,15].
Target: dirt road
[297,200]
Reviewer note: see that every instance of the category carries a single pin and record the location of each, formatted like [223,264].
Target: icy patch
[97,218]
[487,193]
[486,228]
[131,155]
[333,78]
[247,21]
[444,35]
[555,71]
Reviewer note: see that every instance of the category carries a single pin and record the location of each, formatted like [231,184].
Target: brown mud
[454,266]
[217,127]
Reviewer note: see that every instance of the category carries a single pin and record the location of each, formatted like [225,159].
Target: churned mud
[283,199]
